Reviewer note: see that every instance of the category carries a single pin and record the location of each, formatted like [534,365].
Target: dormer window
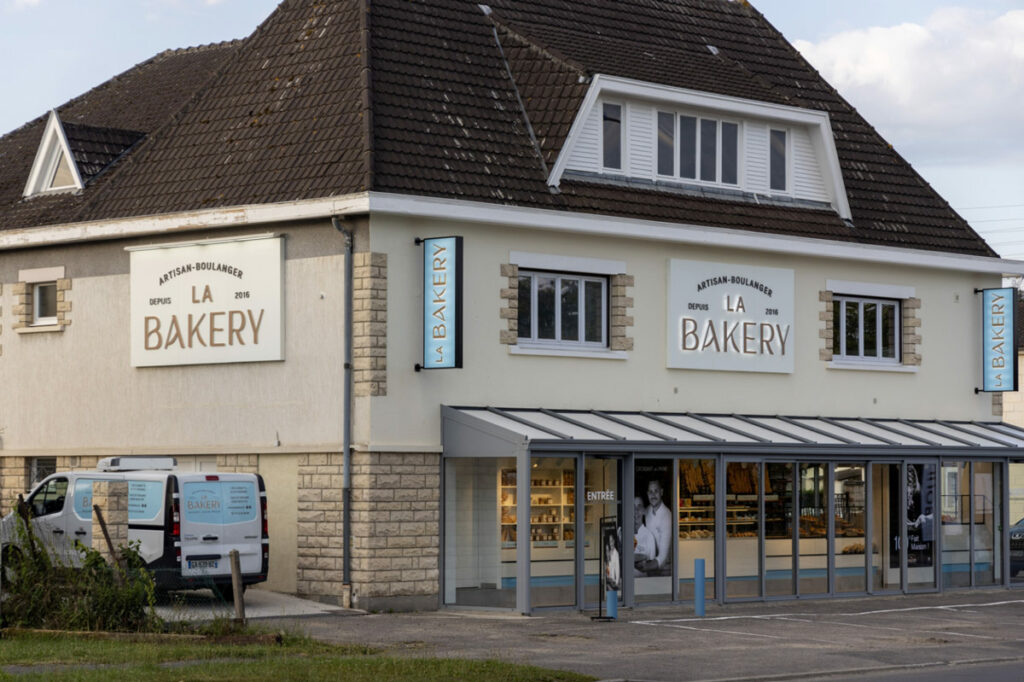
[612,127]
[70,155]
[777,160]
[54,169]
[689,141]
[699,143]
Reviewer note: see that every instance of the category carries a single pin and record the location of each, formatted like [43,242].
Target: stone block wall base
[414,602]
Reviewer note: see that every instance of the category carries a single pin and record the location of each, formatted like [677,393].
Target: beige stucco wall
[85,396]
[281,472]
[943,386]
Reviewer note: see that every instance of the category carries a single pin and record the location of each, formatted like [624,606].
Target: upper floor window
[44,303]
[866,328]
[612,127]
[777,159]
[698,148]
[562,309]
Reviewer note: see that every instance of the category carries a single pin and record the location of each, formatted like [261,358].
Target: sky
[943,82]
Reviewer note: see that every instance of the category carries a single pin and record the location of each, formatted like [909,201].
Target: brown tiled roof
[444,98]
[95,148]
[140,99]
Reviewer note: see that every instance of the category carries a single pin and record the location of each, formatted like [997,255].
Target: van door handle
[210,537]
[81,532]
[58,531]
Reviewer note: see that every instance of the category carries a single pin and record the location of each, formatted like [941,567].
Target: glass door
[921,493]
[1016,530]
[552,531]
[886,547]
[602,528]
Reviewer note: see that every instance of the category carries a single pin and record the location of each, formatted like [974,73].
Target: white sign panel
[207,303]
[730,317]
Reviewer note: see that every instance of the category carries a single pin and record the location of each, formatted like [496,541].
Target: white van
[186,523]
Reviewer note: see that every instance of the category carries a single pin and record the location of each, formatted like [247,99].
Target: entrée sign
[204,303]
[730,317]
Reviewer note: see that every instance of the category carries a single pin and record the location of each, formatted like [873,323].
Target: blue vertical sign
[442,303]
[999,353]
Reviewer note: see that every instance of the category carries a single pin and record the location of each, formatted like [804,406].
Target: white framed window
[562,310]
[612,133]
[44,303]
[778,155]
[866,329]
[697,148]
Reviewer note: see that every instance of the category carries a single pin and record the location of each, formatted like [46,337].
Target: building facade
[689,301]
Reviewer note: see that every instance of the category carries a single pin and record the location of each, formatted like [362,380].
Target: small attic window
[53,169]
[72,154]
[62,175]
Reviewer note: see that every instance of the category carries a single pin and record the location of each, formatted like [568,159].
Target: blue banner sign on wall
[999,353]
[442,303]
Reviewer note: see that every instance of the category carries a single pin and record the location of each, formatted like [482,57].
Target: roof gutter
[184,221]
[381,203]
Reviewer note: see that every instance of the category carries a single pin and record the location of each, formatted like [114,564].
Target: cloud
[22,4]
[948,90]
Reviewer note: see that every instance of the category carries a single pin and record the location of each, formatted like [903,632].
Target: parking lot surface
[927,636]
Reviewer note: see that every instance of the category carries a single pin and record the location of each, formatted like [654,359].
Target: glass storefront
[696,524]
[850,494]
[779,564]
[742,530]
[764,528]
[1015,503]
[480,532]
[813,515]
[552,531]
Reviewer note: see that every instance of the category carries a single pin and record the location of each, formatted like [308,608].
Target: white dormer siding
[587,150]
[806,171]
[755,153]
[640,140]
[639,153]
[811,168]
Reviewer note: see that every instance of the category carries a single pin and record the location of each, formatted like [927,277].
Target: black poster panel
[652,542]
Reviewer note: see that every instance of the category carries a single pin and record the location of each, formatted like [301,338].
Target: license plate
[203,563]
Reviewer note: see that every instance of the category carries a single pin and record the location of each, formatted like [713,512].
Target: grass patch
[91,659]
[62,648]
[320,668]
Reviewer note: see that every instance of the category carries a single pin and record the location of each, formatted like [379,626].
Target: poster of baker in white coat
[652,518]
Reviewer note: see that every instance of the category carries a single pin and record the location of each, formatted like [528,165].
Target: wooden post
[110,545]
[236,587]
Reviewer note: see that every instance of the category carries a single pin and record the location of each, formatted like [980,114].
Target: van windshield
[219,502]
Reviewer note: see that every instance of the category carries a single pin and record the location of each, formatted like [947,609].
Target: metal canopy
[506,432]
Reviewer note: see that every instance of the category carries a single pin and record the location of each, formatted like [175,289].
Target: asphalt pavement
[952,636]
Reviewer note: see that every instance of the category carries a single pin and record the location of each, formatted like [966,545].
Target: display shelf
[552,508]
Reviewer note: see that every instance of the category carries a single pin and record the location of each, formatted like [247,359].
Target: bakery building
[485,290]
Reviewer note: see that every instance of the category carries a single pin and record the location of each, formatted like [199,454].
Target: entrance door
[602,528]
[904,501]
[886,547]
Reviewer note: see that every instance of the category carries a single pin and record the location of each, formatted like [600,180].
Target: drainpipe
[346,437]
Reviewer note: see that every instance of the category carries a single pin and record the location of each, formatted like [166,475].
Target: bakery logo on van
[730,317]
[206,302]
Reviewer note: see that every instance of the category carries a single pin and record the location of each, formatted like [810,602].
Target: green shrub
[40,591]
